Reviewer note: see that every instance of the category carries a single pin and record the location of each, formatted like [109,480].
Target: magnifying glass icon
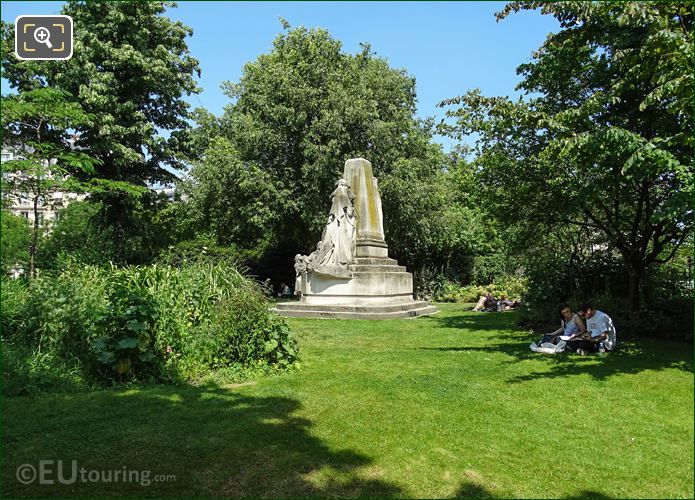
[42,35]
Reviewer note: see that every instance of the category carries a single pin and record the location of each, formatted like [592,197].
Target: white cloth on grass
[548,347]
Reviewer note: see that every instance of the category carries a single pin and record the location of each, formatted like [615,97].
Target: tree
[74,235]
[130,71]
[430,221]
[604,138]
[37,124]
[236,200]
[296,115]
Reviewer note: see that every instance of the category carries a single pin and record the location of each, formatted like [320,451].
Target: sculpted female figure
[337,246]
[344,220]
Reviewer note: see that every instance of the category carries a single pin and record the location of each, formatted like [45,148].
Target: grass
[450,405]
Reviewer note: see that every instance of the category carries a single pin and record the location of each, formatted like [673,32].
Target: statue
[335,251]
[350,274]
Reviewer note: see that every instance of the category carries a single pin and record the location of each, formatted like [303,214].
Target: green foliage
[490,267]
[146,225]
[512,288]
[26,372]
[243,332]
[75,238]
[238,201]
[148,323]
[201,248]
[61,314]
[16,238]
[130,70]
[426,223]
[83,234]
[40,125]
[605,140]
[37,124]
[666,307]
[127,342]
[297,113]
[14,294]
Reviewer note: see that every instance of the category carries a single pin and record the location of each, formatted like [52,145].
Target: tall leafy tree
[37,124]
[130,70]
[604,138]
[297,113]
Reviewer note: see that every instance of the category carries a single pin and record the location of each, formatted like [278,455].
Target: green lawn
[450,405]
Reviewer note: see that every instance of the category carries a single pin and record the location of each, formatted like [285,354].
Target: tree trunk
[34,238]
[634,274]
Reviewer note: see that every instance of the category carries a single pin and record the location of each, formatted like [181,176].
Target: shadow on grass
[590,494]
[497,321]
[217,443]
[631,358]
[472,490]
[505,337]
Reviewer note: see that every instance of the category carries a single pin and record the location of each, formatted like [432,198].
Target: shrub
[202,248]
[157,322]
[491,267]
[15,295]
[75,238]
[666,305]
[127,344]
[15,241]
[511,287]
[244,332]
[25,371]
[62,312]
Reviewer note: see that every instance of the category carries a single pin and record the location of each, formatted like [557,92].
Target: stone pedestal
[378,287]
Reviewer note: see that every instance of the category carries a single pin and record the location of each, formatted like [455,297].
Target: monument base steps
[391,311]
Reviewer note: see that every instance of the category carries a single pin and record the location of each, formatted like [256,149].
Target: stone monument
[350,275]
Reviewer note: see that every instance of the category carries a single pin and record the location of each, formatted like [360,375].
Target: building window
[25,215]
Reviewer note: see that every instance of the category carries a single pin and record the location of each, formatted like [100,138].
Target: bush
[243,332]
[25,371]
[62,311]
[15,241]
[15,295]
[491,267]
[75,238]
[511,287]
[154,323]
[671,318]
[201,248]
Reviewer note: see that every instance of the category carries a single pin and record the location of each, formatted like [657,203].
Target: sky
[449,47]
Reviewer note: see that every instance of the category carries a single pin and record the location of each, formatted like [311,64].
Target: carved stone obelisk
[350,275]
[369,227]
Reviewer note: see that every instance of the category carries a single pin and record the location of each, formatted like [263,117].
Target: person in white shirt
[600,332]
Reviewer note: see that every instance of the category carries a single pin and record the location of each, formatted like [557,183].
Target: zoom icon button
[43,38]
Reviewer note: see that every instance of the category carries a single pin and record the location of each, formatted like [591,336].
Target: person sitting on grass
[487,301]
[571,325]
[600,335]
[507,305]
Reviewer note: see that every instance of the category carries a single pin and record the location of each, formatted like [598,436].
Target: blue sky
[449,47]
